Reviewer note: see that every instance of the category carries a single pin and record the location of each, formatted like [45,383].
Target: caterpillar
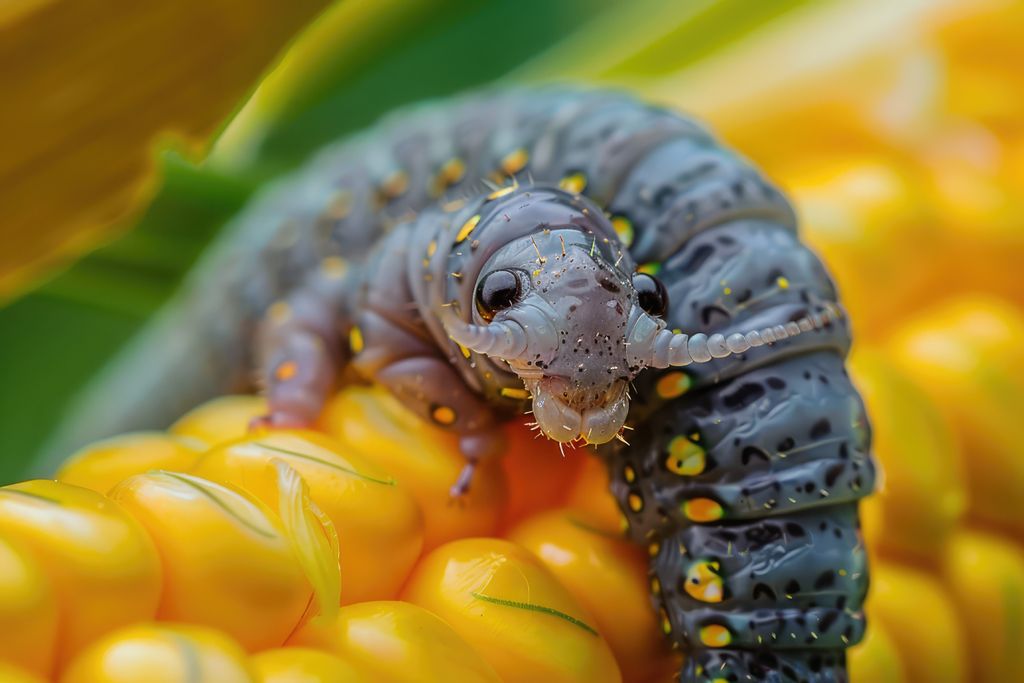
[602,262]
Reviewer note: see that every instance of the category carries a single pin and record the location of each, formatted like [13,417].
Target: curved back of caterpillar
[391,255]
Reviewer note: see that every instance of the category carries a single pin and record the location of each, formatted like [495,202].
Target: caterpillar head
[560,302]
[557,300]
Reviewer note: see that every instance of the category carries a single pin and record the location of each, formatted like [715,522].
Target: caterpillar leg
[430,386]
[388,353]
[300,350]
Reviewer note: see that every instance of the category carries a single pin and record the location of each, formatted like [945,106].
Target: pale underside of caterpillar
[607,261]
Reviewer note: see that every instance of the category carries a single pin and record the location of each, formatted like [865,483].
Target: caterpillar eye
[650,294]
[497,291]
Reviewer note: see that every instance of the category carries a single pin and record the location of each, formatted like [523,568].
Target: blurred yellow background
[896,127]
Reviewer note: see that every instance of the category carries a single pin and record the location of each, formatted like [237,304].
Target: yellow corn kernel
[396,641]
[304,665]
[590,494]
[100,465]
[536,472]
[593,562]
[967,356]
[984,574]
[161,653]
[9,673]
[227,560]
[28,612]
[924,495]
[104,568]
[875,659]
[864,216]
[220,419]
[901,599]
[424,459]
[507,605]
[379,525]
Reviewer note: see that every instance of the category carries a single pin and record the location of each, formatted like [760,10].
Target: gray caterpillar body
[619,270]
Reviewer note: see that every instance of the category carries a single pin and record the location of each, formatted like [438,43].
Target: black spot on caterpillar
[749,449]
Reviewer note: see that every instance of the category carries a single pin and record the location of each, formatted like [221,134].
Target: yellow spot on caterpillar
[279,312]
[514,162]
[782,282]
[537,273]
[355,340]
[467,227]
[666,625]
[514,392]
[575,183]
[431,248]
[450,173]
[623,523]
[334,267]
[624,229]
[685,458]
[727,291]
[636,502]
[286,370]
[501,192]
[655,585]
[703,582]
[395,185]
[453,205]
[672,384]
[463,349]
[339,206]
[842,572]
[653,549]
[702,510]
[715,635]
[629,473]
[442,415]
[652,268]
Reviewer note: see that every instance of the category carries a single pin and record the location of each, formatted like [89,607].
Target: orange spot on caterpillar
[515,161]
[575,183]
[703,510]
[355,340]
[286,370]
[715,635]
[442,415]
[672,384]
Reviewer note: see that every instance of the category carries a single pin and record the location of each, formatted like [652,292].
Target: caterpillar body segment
[742,474]
[605,263]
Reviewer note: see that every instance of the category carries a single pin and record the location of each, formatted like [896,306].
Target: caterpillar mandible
[604,262]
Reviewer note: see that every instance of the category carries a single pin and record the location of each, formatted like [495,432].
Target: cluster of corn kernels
[212,554]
